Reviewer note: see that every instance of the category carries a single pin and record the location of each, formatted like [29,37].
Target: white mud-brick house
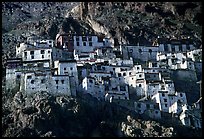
[116,90]
[69,68]
[173,45]
[148,107]
[191,117]
[84,56]
[170,103]
[100,75]
[37,54]
[105,53]
[44,43]
[175,61]
[153,88]
[169,86]
[37,44]
[21,48]
[141,88]
[93,87]
[13,74]
[121,62]
[45,82]
[87,43]
[153,76]
[82,43]
[143,53]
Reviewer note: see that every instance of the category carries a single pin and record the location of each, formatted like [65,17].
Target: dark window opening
[43,81]
[122,88]
[62,81]
[90,44]
[32,81]
[29,77]
[42,51]
[31,52]
[56,81]
[165,100]
[18,76]
[84,38]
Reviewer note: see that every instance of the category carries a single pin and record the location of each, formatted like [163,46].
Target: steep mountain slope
[131,22]
[142,22]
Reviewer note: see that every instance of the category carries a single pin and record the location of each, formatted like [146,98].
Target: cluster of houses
[136,77]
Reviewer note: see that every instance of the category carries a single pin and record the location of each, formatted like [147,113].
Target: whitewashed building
[148,107]
[170,103]
[191,117]
[93,87]
[143,53]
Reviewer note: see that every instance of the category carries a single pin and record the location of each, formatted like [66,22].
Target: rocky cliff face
[44,115]
[142,22]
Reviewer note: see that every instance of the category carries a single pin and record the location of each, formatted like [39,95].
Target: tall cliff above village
[133,22]
[44,115]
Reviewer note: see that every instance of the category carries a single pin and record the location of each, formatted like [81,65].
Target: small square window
[42,56]
[32,81]
[29,77]
[32,57]
[31,52]
[42,51]
[165,105]
[71,68]
[64,68]
[165,100]
[56,81]
[62,81]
